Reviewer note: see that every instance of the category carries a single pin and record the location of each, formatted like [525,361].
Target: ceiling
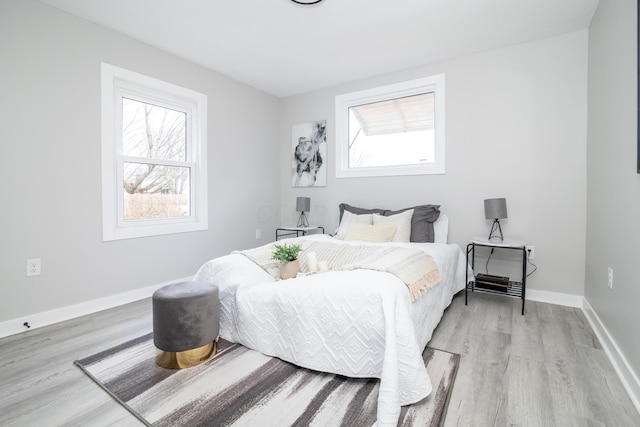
[284,49]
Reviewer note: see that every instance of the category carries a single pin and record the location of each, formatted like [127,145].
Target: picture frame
[309,154]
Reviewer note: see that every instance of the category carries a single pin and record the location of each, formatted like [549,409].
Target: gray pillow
[421,222]
[358,211]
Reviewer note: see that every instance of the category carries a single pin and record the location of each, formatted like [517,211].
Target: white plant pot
[290,269]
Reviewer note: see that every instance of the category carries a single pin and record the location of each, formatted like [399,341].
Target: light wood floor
[542,369]
[545,368]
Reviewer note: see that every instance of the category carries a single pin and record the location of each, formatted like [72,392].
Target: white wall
[51,170]
[515,128]
[613,200]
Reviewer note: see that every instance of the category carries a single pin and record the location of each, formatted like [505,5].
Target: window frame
[117,83]
[384,93]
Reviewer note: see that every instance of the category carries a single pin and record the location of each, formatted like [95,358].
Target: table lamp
[303,204]
[495,209]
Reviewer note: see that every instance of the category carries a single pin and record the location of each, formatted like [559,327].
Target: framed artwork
[309,154]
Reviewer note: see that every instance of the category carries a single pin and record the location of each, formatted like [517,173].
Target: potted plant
[288,257]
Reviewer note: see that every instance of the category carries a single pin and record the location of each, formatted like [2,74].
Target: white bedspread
[357,323]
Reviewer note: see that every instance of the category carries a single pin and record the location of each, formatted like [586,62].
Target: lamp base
[496,228]
[302,220]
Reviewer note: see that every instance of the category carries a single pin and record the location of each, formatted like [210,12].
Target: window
[391,130]
[153,156]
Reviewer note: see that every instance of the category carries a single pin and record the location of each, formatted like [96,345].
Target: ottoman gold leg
[187,358]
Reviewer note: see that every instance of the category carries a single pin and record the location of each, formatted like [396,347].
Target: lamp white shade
[303,204]
[495,208]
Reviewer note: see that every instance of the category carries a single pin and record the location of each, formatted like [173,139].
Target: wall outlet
[258,233]
[610,277]
[34,267]
[531,251]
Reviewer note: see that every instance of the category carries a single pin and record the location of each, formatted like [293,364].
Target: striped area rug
[242,387]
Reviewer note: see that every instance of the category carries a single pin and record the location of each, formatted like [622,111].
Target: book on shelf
[492,286]
[502,280]
[494,283]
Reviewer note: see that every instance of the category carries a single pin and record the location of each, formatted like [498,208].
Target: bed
[355,322]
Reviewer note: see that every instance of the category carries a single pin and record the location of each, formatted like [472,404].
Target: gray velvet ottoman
[185,324]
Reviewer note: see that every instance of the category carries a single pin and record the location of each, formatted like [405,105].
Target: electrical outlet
[34,267]
[610,277]
[531,251]
[258,233]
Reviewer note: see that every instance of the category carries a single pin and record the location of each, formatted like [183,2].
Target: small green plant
[286,253]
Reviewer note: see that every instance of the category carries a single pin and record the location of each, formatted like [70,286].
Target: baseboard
[557,298]
[623,369]
[39,320]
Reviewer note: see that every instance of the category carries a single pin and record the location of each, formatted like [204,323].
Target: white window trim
[397,90]
[114,82]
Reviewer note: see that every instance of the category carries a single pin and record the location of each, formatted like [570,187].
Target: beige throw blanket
[415,268]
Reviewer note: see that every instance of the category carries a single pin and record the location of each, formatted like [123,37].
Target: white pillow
[370,233]
[441,229]
[401,221]
[348,219]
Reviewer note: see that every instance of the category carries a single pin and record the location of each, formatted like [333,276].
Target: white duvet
[358,323]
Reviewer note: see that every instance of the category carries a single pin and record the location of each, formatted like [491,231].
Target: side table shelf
[515,289]
[297,231]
